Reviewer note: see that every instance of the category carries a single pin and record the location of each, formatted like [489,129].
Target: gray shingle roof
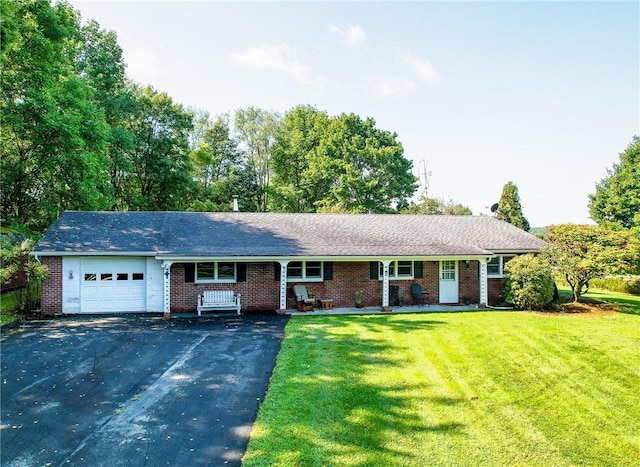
[235,234]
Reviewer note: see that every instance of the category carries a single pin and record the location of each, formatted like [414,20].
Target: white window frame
[502,260]
[393,271]
[216,272]
[304,277]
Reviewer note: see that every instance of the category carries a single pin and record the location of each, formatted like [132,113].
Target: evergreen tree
[510,209]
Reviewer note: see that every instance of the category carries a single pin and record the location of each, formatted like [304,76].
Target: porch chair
[303,302]
[418,295]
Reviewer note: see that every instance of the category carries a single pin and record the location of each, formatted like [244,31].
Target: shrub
[529,283]
[624,284]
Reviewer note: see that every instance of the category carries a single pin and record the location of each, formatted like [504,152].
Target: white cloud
[353,34]
[391,87]
[280,57]
[424,68]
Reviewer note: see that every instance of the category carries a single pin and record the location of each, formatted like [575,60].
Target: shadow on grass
[339,395]
[624,303]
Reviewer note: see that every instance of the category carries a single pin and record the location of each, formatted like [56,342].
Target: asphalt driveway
[134,390]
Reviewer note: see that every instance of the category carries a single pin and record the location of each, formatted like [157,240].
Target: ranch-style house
[163,262]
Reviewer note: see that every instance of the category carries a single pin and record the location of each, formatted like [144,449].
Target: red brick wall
[496,291]
[52,287]
[261,291]
[469,281]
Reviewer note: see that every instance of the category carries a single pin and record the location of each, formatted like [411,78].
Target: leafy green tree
[616,202]
[437,206]
[101,65]
[298,160]
[338,164]
[217,164]
[584,252]
[529,282]
[365,167]
[53,134]
[161,171]
[510,209]
[255,130]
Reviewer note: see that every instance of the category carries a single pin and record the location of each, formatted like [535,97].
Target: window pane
[122,276]
[89,277]
[493,267]
[405,268]
[106,276]
[226,271]
[313,269]
[205,271]
[294,269]
[137,276]
[448,270]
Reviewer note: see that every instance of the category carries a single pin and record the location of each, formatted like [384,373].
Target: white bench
[218,300]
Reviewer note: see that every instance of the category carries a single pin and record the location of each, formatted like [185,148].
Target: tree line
[78,134]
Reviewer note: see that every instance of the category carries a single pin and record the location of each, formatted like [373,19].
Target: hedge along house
[110,262]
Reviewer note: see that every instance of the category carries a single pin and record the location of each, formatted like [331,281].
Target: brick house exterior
[162,261]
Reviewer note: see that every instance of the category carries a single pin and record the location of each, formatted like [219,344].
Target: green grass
[483,388]
[8,305]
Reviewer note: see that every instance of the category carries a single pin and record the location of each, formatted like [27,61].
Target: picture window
[216,271]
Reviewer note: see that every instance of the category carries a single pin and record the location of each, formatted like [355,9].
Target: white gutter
[193,259]
[94,253]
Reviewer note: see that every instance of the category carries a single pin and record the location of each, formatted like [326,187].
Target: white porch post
[385,284]
[166,266]
[484,295]
[283,285]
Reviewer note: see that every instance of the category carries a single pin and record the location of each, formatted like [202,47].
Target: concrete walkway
[375,310]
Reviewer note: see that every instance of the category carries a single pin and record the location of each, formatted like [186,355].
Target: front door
[448,281]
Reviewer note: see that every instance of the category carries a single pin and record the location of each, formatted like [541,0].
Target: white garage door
[113,285]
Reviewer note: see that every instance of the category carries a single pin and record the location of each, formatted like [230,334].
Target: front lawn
[483,388]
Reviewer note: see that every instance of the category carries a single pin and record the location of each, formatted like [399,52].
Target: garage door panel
[113,285]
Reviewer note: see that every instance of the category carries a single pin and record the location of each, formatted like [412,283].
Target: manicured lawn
[478,388]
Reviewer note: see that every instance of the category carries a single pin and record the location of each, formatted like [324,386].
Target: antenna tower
[426,176]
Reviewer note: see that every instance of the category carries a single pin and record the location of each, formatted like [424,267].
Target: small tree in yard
[16,260]
[584,252]
[529,282]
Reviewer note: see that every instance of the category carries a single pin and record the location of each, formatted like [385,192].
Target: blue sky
[544,94]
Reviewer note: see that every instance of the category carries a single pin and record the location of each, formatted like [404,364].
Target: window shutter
[327,272]
[276,268]
[241,272]
[373,270]
[189,272]
[417,269]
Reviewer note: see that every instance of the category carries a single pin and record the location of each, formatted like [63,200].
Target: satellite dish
[494,207]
